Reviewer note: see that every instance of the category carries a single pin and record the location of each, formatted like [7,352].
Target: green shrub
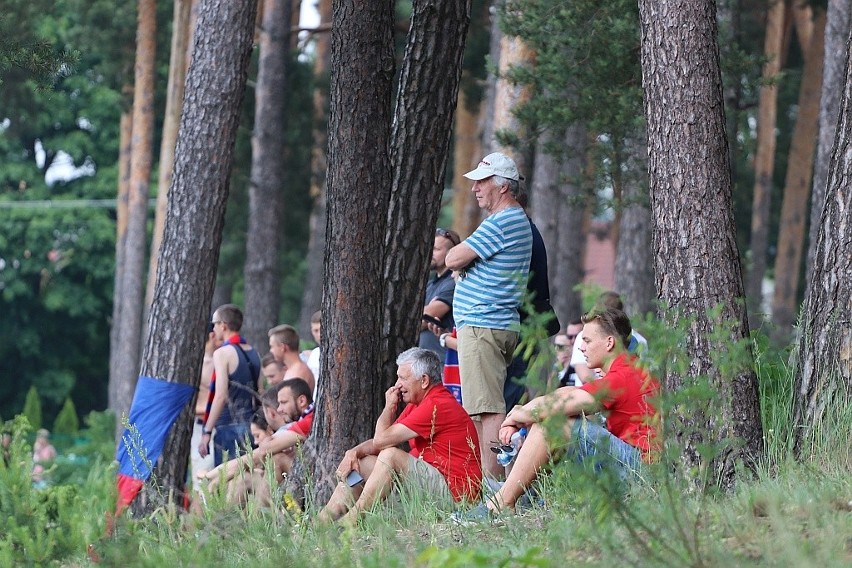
[32,408]
[66,421]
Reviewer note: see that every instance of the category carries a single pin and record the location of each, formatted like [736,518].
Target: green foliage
[32,408]
[66,421]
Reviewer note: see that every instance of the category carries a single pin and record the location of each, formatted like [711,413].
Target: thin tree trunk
[507,96]
[125,134]
[215,87]
[696,260]
[314,279]
[823,377]
[466,153]
[132,286]
[838,27]
[797,185]
[764,161]
[178,61]
[420,143]
[634,263]
[487,112]
[268,175]
[359,181]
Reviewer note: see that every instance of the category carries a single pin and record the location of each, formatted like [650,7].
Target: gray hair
[513,185]
[423,362]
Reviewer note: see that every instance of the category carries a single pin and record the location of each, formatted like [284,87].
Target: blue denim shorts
[594,445]
[232,439]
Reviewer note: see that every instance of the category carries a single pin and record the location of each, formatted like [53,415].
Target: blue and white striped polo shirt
[490,291]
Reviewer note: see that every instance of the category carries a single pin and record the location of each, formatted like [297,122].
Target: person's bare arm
[221,364]
[460,257]
[567,401]
[389,434]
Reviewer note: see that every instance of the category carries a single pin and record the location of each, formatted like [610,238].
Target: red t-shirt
[302,426]
[446,440]
[624,392]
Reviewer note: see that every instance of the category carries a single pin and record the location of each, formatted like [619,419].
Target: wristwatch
[443,339]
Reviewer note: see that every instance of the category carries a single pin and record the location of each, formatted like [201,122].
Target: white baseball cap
[496,164]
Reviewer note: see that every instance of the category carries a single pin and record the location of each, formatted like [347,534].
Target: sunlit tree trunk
[797,185]
[178,60]
[823,377]
[507,96]
[466,216]
[314,278]
[142,139]
[268,175]
[764,161]
[696,260]
[837,29]
[174,346]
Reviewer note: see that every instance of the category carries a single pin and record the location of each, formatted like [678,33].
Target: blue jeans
[594,445]
[232,438]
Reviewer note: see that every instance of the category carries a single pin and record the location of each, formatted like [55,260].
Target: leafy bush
[32,408]
[66,421]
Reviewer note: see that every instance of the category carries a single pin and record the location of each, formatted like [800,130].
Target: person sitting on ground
[284,346]
[296,407]
[444,458]
[626,392]
[635,344]
[260,428]
[564,374]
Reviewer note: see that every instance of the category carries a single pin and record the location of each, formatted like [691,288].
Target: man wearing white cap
[494,266]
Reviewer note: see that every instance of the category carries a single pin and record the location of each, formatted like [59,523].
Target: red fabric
[446,440]
[624,392]
[128,488]
[302,426]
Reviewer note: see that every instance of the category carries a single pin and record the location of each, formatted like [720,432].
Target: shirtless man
[284,346]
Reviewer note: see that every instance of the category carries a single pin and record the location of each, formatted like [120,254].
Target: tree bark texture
[420,144]
[141,155]
[557,206]
[837,28]
[359,181]
[797,186]
[466,154]
[487,113]
[696,261]
[634,262]
[823,377]
[507,96]
[268,176]
[764,161]
[179,315]
[314,278]
[125,134]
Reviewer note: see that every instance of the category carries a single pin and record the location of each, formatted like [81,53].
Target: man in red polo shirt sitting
[444,458]
[625,392]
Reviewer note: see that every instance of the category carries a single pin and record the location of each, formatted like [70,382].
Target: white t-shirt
[314,363]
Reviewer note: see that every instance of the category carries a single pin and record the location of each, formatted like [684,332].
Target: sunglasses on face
[447,234]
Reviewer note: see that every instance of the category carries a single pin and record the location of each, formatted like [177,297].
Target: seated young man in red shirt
[444,458]
[625,392]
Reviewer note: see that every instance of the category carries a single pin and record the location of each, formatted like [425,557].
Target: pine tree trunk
[837,29]
[268,176]
[314,278]
[797,185]
[764,161]
[634,263]
[823,377]
[178,60]
[507,97]
[696,260]
[466,154]
[359,181]
[420,144]
[142,139]
[215,87]
[557,210]
[487,108]
[125,133]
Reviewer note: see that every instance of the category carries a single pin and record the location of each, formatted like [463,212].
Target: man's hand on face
[393,397]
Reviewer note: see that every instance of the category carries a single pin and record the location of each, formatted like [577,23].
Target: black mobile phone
[433,320]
